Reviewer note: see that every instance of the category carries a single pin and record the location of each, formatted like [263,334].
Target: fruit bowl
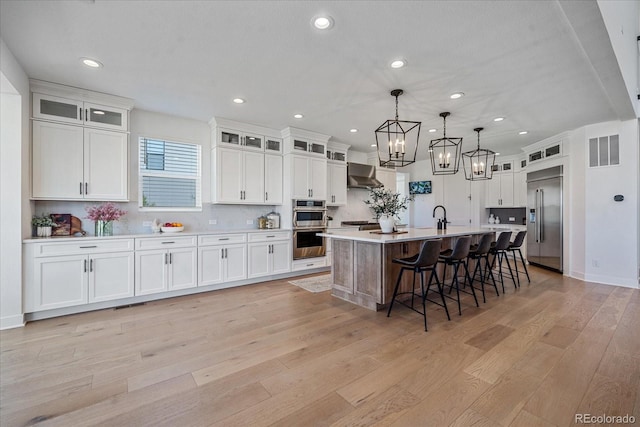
[171,229]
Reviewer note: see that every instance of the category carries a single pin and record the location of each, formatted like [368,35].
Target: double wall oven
[309,218]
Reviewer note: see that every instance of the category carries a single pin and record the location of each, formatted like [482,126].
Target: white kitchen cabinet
[269,253]
[273,179]
[309,178]
[520,189]
[387,177]
[165,264]
[499,191]
[75,163]
[238,139]
[221,258]
[337,184]
[239,176]
[59,275]
[78,112]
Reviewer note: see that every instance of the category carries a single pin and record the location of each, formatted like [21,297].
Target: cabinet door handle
[85,265]
[226,253]
[81,188]
[170,258]
[266,195]
[165,258]
[88,247]
[86,115]
[91,265]
[270,236]
[86,188]
[221,253]
[312,192]
[80,108]
[223,238]
[167,243]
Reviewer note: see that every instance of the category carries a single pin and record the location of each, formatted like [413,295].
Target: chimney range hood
[361,176]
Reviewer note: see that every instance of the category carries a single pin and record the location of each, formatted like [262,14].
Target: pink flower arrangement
[106,212]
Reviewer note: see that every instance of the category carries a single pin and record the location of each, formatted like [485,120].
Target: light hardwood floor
[274,354]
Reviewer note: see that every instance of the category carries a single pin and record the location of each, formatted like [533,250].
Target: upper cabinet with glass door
[54,108]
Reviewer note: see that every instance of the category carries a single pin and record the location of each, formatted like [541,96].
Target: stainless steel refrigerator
[544,225]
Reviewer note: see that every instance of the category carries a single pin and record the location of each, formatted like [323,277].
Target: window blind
[169,174]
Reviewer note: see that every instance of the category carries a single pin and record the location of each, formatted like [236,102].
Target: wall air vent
[604,151]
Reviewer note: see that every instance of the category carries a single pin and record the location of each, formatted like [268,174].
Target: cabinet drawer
[305,265]
[267,237]
[83,247]
[165,242]
[221,239]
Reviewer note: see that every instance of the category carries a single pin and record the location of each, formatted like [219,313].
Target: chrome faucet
[441,223]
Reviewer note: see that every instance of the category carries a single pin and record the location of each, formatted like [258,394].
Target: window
[169,175]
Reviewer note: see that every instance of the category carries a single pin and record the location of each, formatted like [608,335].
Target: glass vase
[104,228]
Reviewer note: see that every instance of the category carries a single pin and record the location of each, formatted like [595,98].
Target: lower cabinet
[221,258]
[269,253]
[59,275]
[165,270]
[165,264]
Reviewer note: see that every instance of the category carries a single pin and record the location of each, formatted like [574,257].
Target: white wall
[15,209]
[574,176]
[622,20]
[611,228]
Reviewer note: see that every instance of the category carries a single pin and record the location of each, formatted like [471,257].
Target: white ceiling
[547,66]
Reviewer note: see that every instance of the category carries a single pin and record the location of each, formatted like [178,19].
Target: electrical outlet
[147,223]
[213,221]
[249,222]
[595,263]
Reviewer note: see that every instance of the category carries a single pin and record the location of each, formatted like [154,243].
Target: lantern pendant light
[478,163]
[397,140]
[445,152]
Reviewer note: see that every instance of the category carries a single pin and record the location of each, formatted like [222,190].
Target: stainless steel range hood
[361,176]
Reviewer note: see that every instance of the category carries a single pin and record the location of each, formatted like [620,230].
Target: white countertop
[151,235]
[412,234]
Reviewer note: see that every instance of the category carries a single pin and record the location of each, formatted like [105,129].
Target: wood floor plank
[274,354]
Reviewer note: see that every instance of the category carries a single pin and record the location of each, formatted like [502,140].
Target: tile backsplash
[228,217]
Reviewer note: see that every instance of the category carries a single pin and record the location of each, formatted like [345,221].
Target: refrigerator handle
[541,221]
[537,208]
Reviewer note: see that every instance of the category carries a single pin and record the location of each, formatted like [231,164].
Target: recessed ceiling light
[523,132]
[354,130]
[498,119]
[497,154]
[238,100]
[374,145]
[432,130]
[91,63]
[456,95]
[298,116]
[398,63]
[322,22]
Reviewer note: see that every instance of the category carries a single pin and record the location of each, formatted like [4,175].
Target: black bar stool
[499,250]
[426,260]
[515,247]
[478,253]
[454,258]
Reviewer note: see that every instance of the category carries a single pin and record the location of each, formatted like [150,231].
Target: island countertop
[412,234]
[362,267]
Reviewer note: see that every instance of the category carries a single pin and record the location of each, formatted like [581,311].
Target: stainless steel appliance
[309,219]
[309,213]
[544,224]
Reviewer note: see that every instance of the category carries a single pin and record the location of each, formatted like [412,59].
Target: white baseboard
[10,322]
[609,280]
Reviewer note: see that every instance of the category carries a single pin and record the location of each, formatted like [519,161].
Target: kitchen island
[361,267]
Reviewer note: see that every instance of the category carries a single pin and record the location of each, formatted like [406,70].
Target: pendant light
[397,140]
[445,152]
[478,163]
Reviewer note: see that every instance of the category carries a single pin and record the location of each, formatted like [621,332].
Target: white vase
[43,231]
[387,223]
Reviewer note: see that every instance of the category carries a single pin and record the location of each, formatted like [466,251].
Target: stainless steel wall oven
[309,218]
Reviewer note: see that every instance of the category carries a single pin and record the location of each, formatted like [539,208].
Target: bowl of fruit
[171,227]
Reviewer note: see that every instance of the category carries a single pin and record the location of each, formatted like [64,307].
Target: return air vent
[604,151]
